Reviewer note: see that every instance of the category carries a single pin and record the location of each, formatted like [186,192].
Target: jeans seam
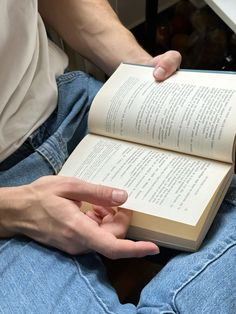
[203,268]
[102,304]
[55,160]
[6,244]
[68,77]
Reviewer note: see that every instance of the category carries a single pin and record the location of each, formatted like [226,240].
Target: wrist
[134,53]
[13,201]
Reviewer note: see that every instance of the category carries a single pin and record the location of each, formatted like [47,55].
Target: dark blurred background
[202,38]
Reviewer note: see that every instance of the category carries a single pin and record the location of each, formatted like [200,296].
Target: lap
[38,279]
[200,282]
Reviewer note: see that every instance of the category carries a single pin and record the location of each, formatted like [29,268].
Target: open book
[169,144]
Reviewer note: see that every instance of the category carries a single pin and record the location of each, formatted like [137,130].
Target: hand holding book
[169,144]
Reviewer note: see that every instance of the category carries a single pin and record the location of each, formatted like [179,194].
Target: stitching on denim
[16,239]
[6,244]
[53,159]
[217,256]
[70,76]
[66,76]
[103,305]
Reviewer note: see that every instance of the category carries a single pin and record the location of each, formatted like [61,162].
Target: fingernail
[154,252]
[159,73]
[119,196]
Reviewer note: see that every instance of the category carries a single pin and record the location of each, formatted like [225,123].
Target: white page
[191,112]
[162,183]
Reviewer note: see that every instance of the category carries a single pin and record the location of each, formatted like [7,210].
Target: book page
[162,183]
[191,112]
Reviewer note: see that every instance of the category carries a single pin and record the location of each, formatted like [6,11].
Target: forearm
[92,28]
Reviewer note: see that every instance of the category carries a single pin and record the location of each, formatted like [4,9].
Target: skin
[48,209]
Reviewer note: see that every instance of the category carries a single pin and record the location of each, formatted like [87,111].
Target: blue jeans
[37,279]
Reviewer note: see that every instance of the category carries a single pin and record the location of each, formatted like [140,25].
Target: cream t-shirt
[29,65]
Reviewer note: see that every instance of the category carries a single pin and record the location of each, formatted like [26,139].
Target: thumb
[166,64]
[97,194]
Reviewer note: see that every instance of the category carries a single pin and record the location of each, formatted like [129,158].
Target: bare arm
[92,28]
[48,210]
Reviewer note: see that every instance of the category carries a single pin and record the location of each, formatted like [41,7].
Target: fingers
[93,215]
[128,248]
[105,243]
[100,213]
[78,190]
[114,221]
[102,238]
[103,211]
[67,228]
[119,223]
[114,248]
[166,64]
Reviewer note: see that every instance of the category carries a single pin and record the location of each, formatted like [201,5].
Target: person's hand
[165,64]
[48,211]
[115,223]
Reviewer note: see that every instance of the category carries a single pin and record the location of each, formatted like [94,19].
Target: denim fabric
[37,279]
[48,147]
